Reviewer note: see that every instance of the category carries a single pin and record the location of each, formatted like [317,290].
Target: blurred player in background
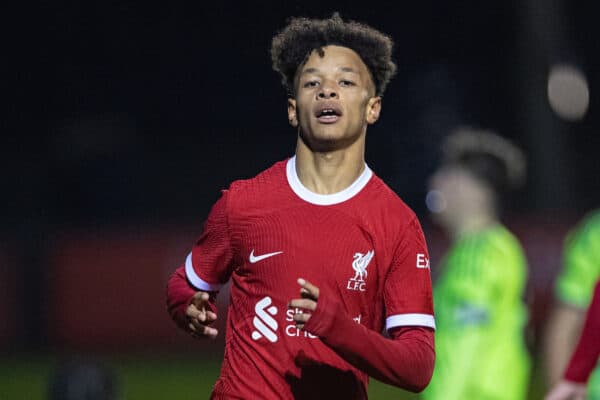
[83,380]
[585,357]
[573,293]
[480,345]
[321,254]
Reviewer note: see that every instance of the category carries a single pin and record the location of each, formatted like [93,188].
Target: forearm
[406,360]
[563,328]
[586,353]
[179,295]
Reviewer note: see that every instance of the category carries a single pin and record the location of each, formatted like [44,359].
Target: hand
[565,390]
[309,294]
[200,316]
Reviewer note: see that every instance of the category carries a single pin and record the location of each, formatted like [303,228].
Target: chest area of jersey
[324,248]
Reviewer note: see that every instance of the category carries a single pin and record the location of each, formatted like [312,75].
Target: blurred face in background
[455,195]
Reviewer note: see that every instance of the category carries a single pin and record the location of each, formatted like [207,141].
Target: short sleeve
[407,289]
[581,264]
[209,265]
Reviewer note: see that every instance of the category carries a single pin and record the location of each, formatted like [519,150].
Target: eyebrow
[349,69]
[313,70]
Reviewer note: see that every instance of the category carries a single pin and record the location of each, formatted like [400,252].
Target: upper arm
[581,264]
[407,290]
[209,265]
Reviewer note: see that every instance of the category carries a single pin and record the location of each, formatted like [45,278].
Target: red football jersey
[363,244]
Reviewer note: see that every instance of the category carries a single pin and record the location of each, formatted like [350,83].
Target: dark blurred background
[124,120]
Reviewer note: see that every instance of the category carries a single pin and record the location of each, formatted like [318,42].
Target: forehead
[335,57]
[451,171]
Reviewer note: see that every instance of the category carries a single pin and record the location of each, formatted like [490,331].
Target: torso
[279,233]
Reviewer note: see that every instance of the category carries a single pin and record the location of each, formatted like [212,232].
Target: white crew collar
[325,199]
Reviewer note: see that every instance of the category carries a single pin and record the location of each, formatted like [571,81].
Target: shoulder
[592,219]
[493,258]
[503,240]
[494,249]
[587,227]
[389,217]
[384,199]
[503,253]
[499,245]
[254,192]
[582,242]
[258,189]
[268,177]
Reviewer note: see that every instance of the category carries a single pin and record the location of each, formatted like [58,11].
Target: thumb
[200,299]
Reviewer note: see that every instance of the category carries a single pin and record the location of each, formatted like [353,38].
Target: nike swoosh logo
[253,259]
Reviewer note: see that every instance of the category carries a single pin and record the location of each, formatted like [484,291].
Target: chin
[329,132]
[323,139]
[324,145]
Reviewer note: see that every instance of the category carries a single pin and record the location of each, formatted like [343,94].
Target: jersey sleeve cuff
[196,281]
[394,321]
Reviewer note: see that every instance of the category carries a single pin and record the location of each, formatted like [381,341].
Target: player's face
[453,193]
[335,99]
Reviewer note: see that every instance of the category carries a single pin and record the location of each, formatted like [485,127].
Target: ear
[292,116]
[373,109]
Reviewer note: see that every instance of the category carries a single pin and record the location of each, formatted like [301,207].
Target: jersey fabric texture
[581,269]
[480,315]
[362,246]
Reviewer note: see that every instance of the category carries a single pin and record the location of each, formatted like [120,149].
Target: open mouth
[328,113]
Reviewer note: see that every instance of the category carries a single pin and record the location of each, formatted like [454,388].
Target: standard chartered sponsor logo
[265,324]
[291,329]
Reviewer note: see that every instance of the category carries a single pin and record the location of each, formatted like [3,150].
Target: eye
[346,82]
[310,84]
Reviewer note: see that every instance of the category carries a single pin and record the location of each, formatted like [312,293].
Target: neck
[473,223]
[332,171]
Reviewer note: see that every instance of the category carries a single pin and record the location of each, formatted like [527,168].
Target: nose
[327,92]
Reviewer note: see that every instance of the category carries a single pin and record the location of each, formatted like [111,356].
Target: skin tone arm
[566,390]
[563,329]
[584,358]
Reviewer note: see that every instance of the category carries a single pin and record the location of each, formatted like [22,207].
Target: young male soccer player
[573,292]
[480,345]
[583,360]
[321,254]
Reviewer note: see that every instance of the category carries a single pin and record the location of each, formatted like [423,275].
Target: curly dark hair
[293,45]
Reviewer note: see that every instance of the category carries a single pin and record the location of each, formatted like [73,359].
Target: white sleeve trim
[195,280]
[394,321]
